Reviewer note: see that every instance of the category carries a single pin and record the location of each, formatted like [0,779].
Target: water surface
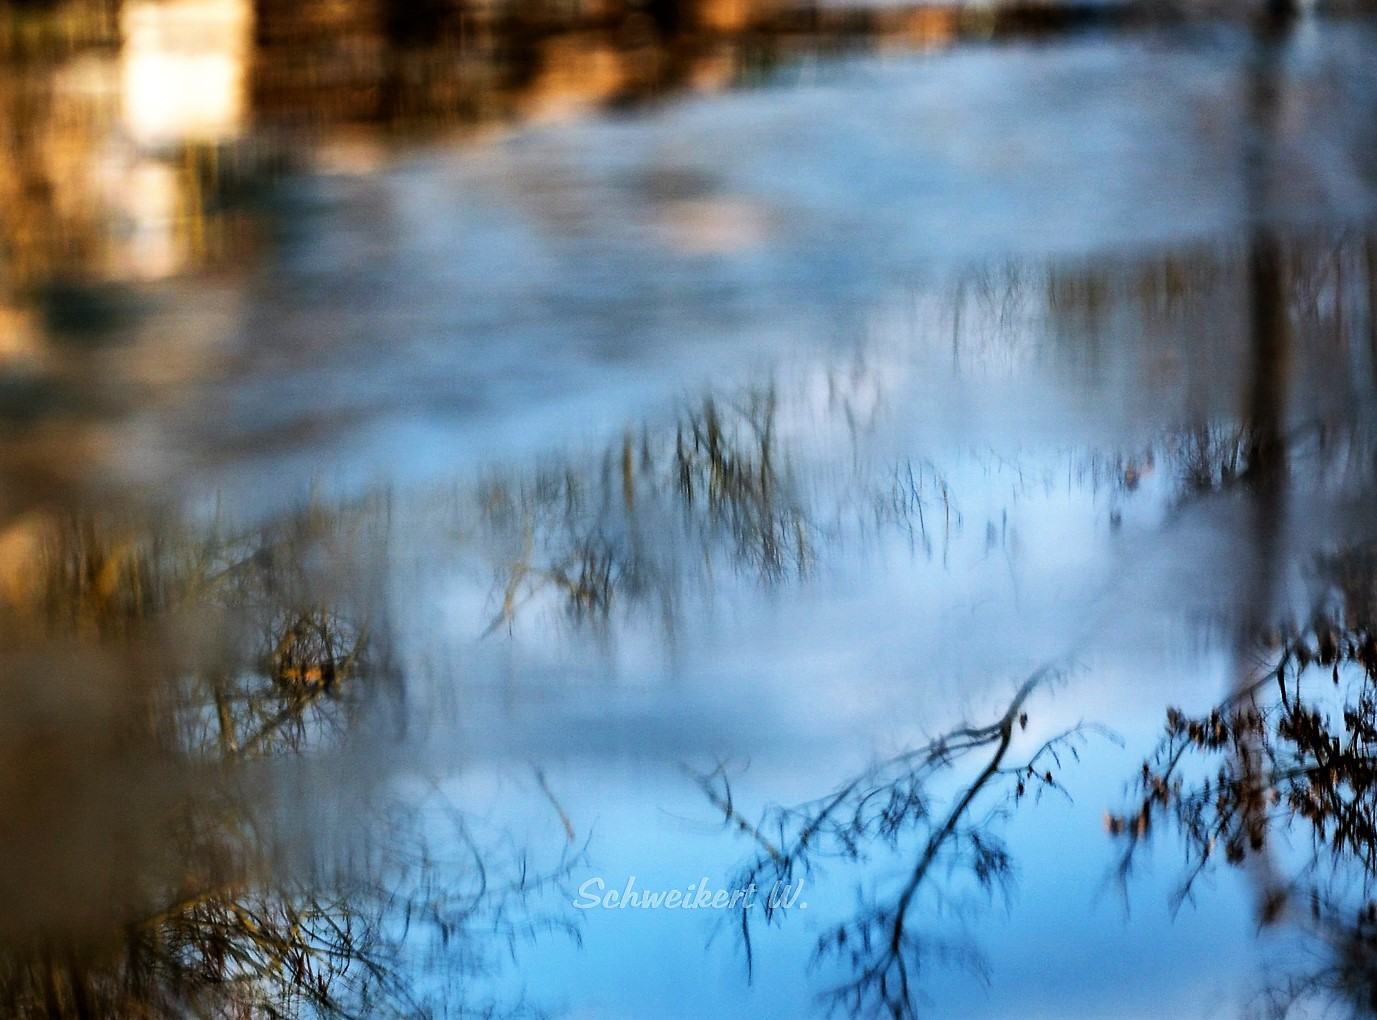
[914,462]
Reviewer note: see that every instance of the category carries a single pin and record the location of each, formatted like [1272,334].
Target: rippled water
[455,465]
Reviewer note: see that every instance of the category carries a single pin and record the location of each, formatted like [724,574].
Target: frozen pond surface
[936,483]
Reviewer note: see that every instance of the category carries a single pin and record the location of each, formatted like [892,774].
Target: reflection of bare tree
[718,492]
[290,612]
[1280,762]
[723,481]
[263,648]
[896,804]
[1292,754]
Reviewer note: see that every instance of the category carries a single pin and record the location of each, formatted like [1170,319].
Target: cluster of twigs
[1286,758]
[229,920]
[1288,761]
[598,539]
[717,492]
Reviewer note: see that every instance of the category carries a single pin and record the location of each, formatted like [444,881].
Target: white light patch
[183,69]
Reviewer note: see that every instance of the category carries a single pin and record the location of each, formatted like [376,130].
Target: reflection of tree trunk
[1264,421]
[1267,393]
[1370,251]
[1264,411]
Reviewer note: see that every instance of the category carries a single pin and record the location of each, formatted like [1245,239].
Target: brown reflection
[178,838]
[123,123]
[1297,382]
[458,62]
[133,128]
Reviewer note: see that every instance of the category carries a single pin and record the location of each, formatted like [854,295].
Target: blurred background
[452,451]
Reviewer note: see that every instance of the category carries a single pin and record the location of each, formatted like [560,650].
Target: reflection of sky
[886,644]
[1066,948]
[885,649]
[527,298]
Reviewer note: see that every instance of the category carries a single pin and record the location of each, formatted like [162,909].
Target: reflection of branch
[1311,758]
[885,980]
[518,570]
[1003,733]
[722,800]
[554,802]
[295,708]
[883,805]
